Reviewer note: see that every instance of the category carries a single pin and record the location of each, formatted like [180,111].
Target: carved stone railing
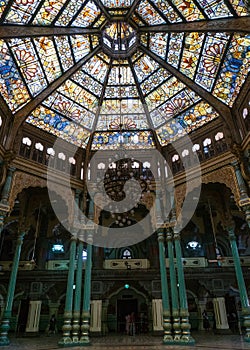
[126,264]
[191,262]
[23,265]
[59,265]
[229,261]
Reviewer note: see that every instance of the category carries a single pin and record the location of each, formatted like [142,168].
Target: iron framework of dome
[151,69]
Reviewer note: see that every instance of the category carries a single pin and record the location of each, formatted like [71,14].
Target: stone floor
[203,341]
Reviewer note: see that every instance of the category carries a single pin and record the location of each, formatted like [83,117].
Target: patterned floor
[203,341]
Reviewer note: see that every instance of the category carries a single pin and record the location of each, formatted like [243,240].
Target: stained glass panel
[12,87]
[154,80]
[96,68]
[21,11]
[55,124]
[48,12]
[234,70]
[158,44]
[164,92]
[240,7]
[87,15]
[189,10]
[87,82]
[212,54]
[80,46]
[168,11]
[130,139]
[195,117]
[192,47]
[27,60]
[49,60]
[148,13]
[64,50]
[215,8]
[144,66]
[174,49]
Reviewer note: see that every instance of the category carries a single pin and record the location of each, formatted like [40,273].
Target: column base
[67,341]
[4,341]
[84,341]
[247,338]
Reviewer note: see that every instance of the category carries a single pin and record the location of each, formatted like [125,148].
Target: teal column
[4,210]
[244,201]
[241,284]
[66,328]
[174,290]
[5,325]
[164,290]
[77,298]
[7,186]
[87,294]
[184,314]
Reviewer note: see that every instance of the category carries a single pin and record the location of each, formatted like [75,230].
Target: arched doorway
[126,300]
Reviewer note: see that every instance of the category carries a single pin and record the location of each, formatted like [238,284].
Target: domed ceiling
[149,70]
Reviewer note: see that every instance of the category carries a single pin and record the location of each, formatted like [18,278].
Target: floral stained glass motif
[234,70]
[42,117]
[128,121]
[240,7]
[64,50]
[158,44]
[148,13]
[87,82]
[117,3]
[3,6]
[174,49]
[79,95]
[97,68]
[144,66]
[192,47]
[167,10]
[164,92]
[70,109]
[191,119]
[80,46]
[189,10]
[129,139]
[29,64]
[212,54]
[48,12]
[215,9]
[49,60]
[12,87]
[176,105]
[21,11]
[154,81]
[87,15]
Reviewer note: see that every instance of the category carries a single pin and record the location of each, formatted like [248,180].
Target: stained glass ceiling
[149,70]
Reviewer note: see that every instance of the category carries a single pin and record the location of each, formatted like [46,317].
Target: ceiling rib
[7,31]
[241,24]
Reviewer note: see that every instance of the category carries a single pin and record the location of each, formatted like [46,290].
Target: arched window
[61,161]
[38,152]
[72,163]
[84,255]
[126,254]
[25,147]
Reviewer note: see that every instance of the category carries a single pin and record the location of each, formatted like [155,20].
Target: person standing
[127,325]
[206,323]
[52,325]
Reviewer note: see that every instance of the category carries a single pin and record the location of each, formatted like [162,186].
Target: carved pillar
[4,328]
[66,338]
[84,340]
[164,290]
[7,186]
[241,284]
[185,325]
[77,296]
[174,290]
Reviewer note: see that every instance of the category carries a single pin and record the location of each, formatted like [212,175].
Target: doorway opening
[125,307]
